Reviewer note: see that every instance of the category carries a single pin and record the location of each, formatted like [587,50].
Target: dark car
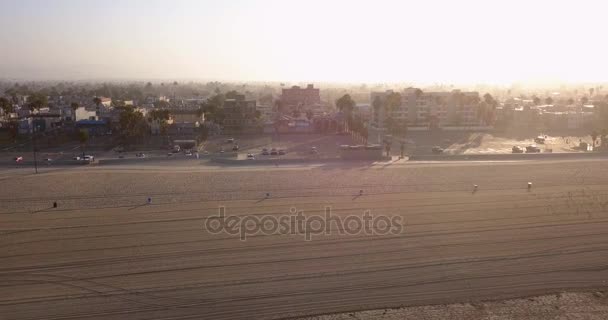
[532,149]
[517,149]
[281,152]
[437,149]
[235,148]
[273,152]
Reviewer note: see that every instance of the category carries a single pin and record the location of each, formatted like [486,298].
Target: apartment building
[240,115]
[296,97]
[428,109]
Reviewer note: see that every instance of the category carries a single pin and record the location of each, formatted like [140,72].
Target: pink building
[300,97]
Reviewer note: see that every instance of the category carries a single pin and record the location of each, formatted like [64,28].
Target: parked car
[517,149]
[281,152]
[235,148]
[313,150]
[539,140]
[230,140]
[265,152]
[140,155]
[437,150]
[18,159]
[273,152]
[532,149]
[250,156]
[88,158]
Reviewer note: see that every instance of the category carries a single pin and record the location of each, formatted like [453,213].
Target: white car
[88,158]
[250,156]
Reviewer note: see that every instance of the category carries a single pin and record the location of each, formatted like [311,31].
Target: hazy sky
[325,40]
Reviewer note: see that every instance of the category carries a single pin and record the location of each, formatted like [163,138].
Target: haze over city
[491,42]
[311,160]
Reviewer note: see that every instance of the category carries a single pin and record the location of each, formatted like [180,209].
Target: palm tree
[74,105]
[584,100]
[97,101]
[549,100]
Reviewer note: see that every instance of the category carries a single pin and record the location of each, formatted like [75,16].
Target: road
[105,253]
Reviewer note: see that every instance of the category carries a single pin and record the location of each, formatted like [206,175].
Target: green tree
[162,116]
[97,101]
[162,104]
[74,105]
[132,125]
[6,105]
[584,100]
[346,104]
[37,100]
[549,100]
[232,94]
[536,100]
[489,100]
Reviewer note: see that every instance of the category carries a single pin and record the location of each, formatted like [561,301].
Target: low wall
[285,161]
[510,156]
[42,163]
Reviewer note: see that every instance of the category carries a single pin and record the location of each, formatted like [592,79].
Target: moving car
[140,155]
[532,149]
[437,150]
[517,149]
[250,156]
[88,158]
[18,159]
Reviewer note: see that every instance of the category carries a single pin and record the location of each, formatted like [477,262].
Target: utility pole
[34,145]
